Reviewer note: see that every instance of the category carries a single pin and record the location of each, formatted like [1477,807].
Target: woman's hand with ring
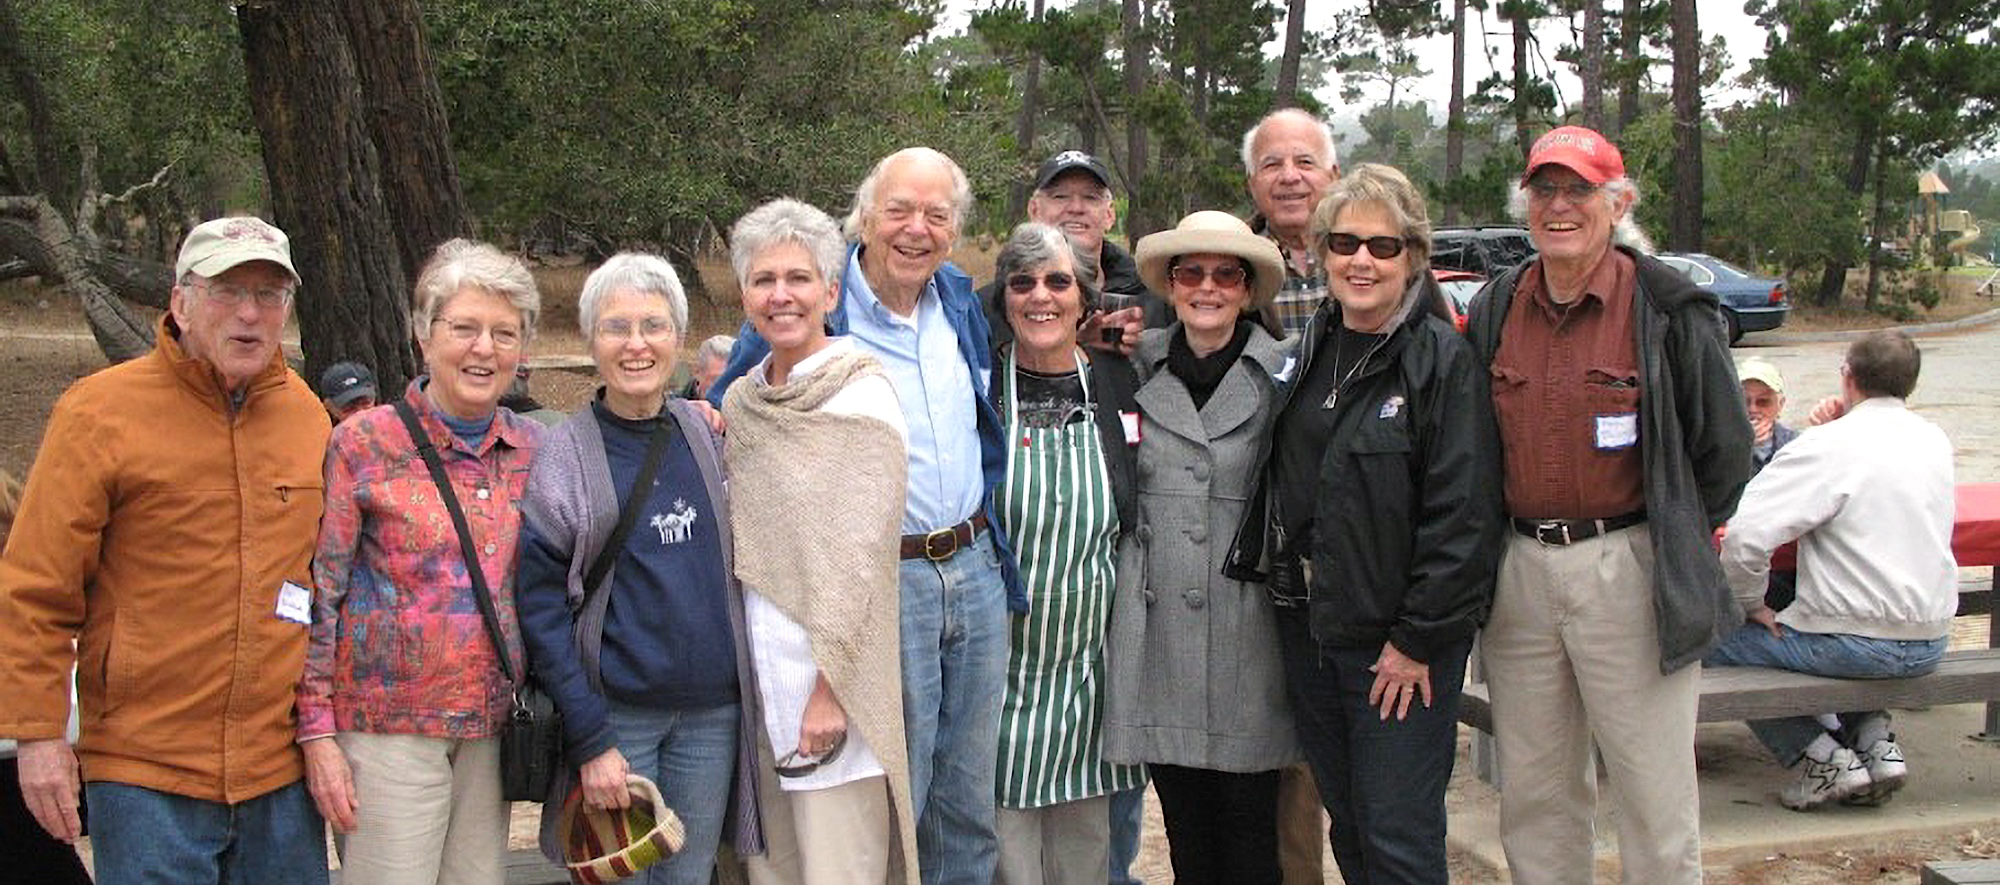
[1398,680]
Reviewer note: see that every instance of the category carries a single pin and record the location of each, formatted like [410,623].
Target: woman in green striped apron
[1068,496]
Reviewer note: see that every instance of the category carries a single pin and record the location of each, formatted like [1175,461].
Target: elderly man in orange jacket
[162,547]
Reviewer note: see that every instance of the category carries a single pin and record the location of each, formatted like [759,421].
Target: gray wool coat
[1194,673]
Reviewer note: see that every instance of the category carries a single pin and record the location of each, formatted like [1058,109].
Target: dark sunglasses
[1054,281]
[1380,247]
[794,765]
[1225,275]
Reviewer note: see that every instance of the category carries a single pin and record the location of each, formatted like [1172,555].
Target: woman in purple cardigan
[649,667]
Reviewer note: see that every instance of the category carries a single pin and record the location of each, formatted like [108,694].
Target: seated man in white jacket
[1869,498]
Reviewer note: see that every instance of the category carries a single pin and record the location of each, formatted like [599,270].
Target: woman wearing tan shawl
[817,466]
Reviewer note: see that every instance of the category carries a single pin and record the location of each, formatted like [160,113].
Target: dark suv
[1482,249]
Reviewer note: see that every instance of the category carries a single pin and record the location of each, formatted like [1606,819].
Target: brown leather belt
[942,544]
[1564,532]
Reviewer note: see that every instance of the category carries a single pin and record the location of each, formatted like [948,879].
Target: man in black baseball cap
[1073,194]
[347,388]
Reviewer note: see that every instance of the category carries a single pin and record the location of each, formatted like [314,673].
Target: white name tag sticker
[1130,420]
[295,603]
[1617,431]
[1284,375]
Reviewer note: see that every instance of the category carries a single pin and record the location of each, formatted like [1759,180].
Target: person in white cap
[167,528]
[1764,400]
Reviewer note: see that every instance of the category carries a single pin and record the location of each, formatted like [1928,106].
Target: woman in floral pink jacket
[403,692]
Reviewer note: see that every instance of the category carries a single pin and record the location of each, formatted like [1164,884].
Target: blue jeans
[1128,810]
[954,631]
[146,837]
[1382,781]
[1840,655]
[691,756]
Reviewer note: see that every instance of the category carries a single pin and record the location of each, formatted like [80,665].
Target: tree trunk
[1684,228]
[1454,120]
[1633,68]
[327,187]
[1874,288]
[1024,124]
[406,121]
[137,280]
[1138,218]
[1523,138]
[1833,279]
[1288,64]
[1593,64]
[51,145]
[120,333]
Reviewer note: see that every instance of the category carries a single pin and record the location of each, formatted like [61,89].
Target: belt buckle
[1543,530]
[950,536]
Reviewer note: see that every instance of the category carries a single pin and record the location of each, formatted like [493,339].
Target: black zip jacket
[1407,522]
[1694,438]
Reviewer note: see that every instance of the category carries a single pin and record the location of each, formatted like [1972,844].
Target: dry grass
[1960,300]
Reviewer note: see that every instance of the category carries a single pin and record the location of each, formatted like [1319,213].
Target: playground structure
[1942,236]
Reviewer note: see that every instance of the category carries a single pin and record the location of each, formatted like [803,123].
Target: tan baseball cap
[218,245]
[1758,368]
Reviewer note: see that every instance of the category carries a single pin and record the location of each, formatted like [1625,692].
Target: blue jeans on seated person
[691,756]
[954,623]
[148,837]
[1839,655]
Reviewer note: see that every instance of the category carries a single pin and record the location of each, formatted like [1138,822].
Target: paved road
[1959,388]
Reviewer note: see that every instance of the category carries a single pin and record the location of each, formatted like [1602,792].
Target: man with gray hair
[168,529]
[1624,443]
[1870,498]
[1289,163]
[904,303]
[709,361]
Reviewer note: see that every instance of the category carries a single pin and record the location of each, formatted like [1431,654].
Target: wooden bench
[1961,872]
[1731,694]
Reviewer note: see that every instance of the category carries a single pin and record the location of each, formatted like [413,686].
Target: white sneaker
[1887,772]
[1840,776]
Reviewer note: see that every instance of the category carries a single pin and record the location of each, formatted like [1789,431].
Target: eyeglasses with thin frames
[653,329]
[1227,276]
[1575,191]
[1380,247]
[233,295]
[466,332]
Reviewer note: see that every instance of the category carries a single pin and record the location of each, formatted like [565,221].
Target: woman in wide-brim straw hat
[1196,687]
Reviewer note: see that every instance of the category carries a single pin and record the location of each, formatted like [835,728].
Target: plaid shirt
[398,645]
[1301,294]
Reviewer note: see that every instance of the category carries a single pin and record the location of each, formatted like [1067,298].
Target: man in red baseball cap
[1623,447]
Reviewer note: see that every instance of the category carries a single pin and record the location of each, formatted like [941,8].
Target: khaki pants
[430,811]
[1572,658]
[1064,844]
[836,836]
[1302,827]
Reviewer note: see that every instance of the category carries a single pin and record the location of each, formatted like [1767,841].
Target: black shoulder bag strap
[642,489]
[465,545]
